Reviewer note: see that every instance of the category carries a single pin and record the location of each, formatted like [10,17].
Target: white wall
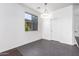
[46,29]
[12,32]
[59,28]
[62,25]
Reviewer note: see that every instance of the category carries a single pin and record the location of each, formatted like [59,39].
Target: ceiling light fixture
[45,14]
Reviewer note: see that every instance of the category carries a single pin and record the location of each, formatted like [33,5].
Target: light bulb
[45,15]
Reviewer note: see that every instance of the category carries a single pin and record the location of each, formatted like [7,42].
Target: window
[31,22]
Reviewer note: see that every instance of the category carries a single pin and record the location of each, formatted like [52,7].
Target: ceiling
[50,6]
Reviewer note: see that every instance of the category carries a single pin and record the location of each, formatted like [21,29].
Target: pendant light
[45,14]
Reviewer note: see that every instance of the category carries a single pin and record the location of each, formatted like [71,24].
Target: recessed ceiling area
[50,6]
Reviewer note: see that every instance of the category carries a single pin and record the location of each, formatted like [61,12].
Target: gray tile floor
[48,48]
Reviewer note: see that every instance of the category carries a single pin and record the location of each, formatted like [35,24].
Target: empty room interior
[39,29]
